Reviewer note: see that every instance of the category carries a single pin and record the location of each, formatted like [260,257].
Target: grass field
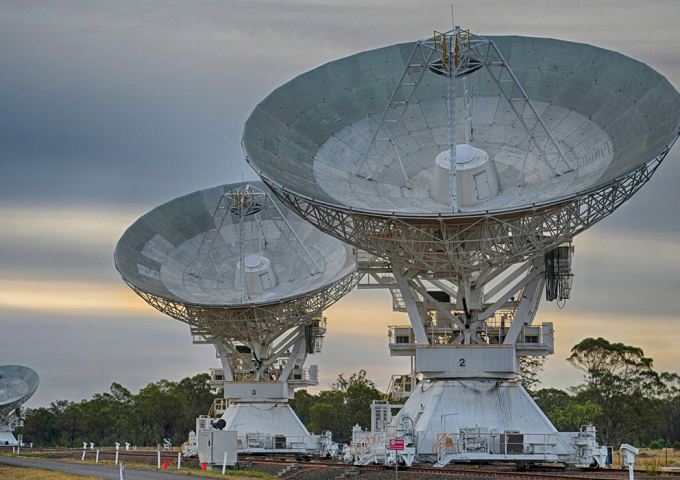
[651,460]
[44,474]
[19,473]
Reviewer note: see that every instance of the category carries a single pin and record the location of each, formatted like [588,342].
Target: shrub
[657,444]
[676,446]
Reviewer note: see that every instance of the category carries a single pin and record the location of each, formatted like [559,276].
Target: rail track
[543,472]
[499,471]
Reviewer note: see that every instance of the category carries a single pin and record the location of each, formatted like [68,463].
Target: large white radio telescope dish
[17,385]
[463,164]
[352,144]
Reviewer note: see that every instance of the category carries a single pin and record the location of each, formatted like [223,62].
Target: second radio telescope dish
[250,276]
[175,252]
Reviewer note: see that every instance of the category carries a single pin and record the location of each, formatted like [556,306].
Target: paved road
[97,471]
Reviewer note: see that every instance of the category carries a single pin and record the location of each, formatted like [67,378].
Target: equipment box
[212,445]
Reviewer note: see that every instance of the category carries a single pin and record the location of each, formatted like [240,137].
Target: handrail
[443,42]
[441,444]
[398,385]
[218,405]
[441,440]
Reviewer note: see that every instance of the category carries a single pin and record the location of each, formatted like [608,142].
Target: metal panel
[466,361]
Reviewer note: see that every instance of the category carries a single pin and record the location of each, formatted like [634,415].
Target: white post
[121,469]
[629,453]
[224,463]
[159,459]
[14,449]
[452,120]
[179,460]
[18,449]
[116,457]
[96,459]
[83,459]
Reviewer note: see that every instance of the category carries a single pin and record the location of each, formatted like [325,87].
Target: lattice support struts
[447,246]
[250,321]
[538,136]
[390,124]
[204,261]
[467,53]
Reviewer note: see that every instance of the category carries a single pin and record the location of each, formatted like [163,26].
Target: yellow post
[456,51]
[443,45]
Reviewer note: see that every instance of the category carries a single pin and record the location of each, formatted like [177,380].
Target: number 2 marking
[462,362]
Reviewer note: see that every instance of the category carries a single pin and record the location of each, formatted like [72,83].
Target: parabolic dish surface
[610,114]
[17,385]
[157,252]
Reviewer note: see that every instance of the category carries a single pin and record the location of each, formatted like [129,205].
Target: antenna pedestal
[258,377]
[268,427]
[7,438]
[480,419]
[466,338]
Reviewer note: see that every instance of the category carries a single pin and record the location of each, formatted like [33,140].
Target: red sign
[397,444]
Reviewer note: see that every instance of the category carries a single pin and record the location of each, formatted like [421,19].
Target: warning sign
[397,444]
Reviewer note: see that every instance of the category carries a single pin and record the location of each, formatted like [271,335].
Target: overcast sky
[108,109]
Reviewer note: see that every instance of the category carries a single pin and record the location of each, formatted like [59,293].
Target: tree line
[621,394]
[169,410]
[160,410]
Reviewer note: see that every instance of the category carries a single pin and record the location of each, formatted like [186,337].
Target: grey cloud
[79,355]
[134,103]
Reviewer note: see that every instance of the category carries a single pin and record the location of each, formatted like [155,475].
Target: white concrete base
[257,425]
[493,407]
[7,438]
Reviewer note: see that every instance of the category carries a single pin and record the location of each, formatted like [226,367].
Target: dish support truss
[449,245]
[279,360]
[466,336]
[262,347]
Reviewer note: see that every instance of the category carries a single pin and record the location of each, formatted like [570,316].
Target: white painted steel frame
[251,320]
[448,245]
